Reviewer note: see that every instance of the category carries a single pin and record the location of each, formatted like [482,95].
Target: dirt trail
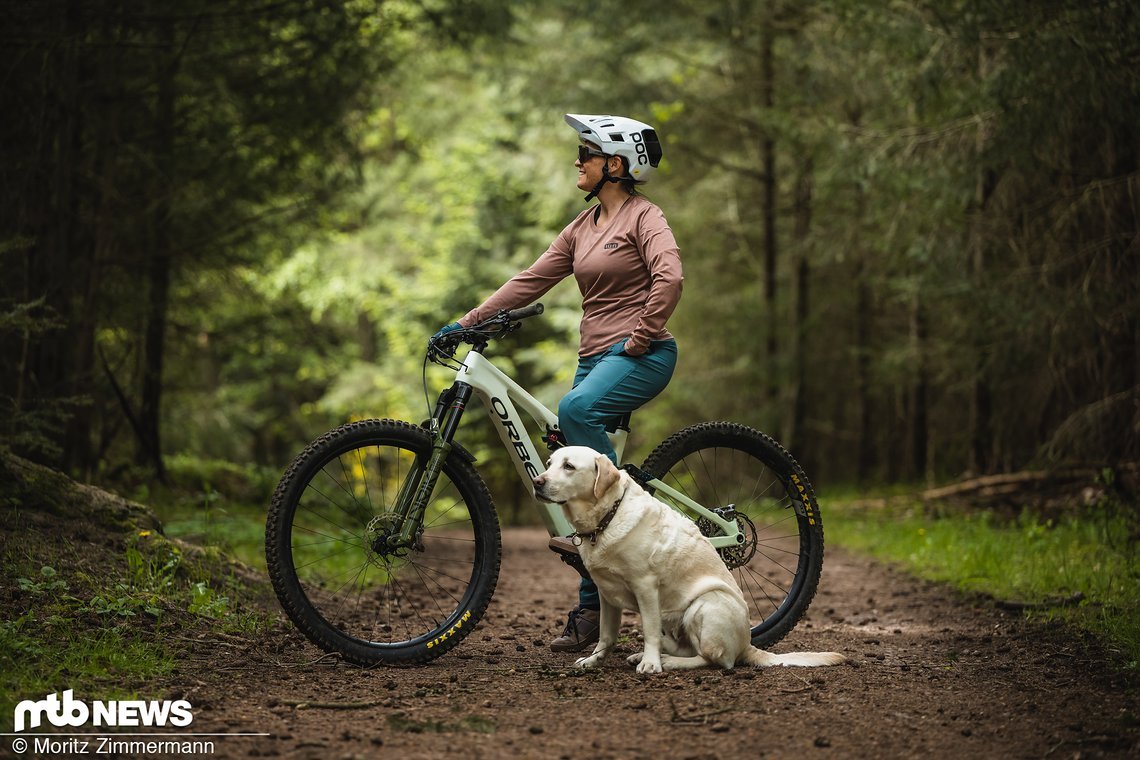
[931,674]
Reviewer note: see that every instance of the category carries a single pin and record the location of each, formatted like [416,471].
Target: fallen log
[1014,482]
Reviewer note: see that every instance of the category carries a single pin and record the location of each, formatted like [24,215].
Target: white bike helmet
[634,141]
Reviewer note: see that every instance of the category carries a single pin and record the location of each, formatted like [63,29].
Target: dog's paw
[634,659]
[649,665]
[591,661]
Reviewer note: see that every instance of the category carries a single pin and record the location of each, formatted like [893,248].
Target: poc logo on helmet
[647,148]
[72,712]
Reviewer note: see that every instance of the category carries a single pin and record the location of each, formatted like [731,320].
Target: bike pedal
[567,551]
[553,439]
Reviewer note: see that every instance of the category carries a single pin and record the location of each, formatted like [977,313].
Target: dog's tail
[758,658]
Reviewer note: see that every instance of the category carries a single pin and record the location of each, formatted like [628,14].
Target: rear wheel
[748,475]
[337,575]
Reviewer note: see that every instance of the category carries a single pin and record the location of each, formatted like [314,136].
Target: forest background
[908,227]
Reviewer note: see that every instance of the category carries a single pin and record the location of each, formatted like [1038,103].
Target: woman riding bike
[628,268]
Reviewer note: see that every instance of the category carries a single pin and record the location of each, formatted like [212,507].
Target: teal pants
[606,386]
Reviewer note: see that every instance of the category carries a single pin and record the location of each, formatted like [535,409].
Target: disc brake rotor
[384,527]
[740,554]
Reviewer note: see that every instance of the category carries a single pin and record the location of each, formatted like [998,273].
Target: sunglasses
[585,153]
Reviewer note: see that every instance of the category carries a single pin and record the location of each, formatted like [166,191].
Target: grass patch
[66,635]
[105,635]
[237,530]
[1030,559]
[214,504]
[38,658]
[96,597]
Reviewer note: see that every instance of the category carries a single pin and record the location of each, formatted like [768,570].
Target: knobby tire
[332,572]
[718,464]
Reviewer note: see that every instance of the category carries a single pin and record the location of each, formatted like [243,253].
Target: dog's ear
[607,476]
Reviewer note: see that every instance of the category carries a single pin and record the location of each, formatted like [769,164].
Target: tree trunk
[865,436]
[367,337]
[770,201]
[94,156]
[981,404]
[1122,219]
[865,444]
[919,393]
[158,274]
[800,347]
[48,369]
[150,440]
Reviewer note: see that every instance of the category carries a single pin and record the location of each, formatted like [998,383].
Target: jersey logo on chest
[609,246]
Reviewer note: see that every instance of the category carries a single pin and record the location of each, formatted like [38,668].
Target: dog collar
[604,523]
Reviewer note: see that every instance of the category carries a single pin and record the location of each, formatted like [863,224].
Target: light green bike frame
[500,394]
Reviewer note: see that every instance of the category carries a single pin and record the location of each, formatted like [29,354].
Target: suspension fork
[415,491]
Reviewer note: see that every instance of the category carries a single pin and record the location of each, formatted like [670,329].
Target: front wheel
[722,465]
[338,575]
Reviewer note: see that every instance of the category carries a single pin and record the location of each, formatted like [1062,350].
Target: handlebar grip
[527,311]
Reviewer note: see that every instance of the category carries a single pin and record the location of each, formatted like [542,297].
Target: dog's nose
[540,481]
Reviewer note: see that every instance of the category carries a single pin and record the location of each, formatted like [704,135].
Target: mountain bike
[383,543]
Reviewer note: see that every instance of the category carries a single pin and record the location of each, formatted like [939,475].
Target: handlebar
[503,323]
[527,311]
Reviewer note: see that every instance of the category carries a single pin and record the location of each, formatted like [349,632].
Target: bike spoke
[313,512]
[325,557]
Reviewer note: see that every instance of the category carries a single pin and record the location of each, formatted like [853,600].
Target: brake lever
[446,345]
[443,347]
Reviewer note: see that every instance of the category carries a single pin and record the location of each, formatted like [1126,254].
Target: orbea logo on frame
[128,712]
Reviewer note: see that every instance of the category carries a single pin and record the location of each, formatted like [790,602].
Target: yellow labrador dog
[647,557]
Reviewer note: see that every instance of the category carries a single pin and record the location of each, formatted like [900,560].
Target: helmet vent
[652,146]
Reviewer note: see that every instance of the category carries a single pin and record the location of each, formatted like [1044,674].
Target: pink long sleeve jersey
[629,273]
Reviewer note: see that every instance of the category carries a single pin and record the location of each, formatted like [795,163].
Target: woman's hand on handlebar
[443,343]
[436,343]
[445,330]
